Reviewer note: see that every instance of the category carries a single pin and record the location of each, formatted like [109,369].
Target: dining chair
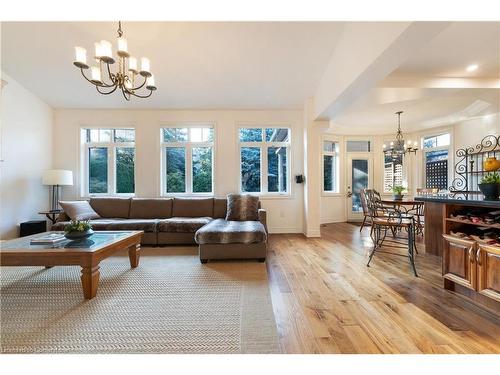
[383,219]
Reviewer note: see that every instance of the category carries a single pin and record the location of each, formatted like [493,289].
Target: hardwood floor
[326,300]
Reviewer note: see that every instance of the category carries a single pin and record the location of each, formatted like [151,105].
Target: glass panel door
[359,177]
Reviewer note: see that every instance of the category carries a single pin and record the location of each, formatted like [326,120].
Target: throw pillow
[242,207]
[79,210]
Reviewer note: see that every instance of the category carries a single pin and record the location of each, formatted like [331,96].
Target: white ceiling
[196,65]
[446,56]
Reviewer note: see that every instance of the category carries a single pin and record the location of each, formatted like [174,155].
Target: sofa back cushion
[220,208]
[151,208]
[242,207]
[111,207]
[193,207]
[79,210]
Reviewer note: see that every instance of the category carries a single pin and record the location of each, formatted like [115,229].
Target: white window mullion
[263,169]
[189,169]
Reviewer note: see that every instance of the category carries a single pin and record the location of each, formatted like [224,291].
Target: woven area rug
[169,304]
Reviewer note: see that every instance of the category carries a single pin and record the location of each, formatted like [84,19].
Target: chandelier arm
[106,93]
[144,96]
[84,76]
[111,75]
[138,87]
[127,98]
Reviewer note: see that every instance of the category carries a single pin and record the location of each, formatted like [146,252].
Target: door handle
[349,192]
[478,257]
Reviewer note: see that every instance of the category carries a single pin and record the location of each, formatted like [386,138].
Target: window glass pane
[436,169]
[443,140]
[201,134]
[125,157]
[250,169]
[358,146]
[93,135]
[359,181]
[277,135]
[175,134]
[393,173]
[250,135]
[328,172]
[176,169]
[202,170]
[330,146]
[124,135]
[276,169]
[98,170]
[105,135]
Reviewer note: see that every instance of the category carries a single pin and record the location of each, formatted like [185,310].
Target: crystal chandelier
[127,74]
[399,147]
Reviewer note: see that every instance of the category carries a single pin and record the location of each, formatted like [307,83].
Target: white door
[359,176]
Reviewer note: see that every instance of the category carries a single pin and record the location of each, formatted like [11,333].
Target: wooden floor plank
[327,301]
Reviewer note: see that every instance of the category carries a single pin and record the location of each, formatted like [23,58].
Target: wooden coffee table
[86,253]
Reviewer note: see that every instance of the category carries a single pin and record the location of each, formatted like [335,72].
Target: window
[264,166]
[330,167]
[187,159]
[393,171]
[358,146]
[109,161]
[436,154]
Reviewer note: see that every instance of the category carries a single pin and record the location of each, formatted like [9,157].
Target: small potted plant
[397,190]
[490,186]
[78,229]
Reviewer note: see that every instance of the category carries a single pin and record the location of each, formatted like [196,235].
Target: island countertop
[473,200]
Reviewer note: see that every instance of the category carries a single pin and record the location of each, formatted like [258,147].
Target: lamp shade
[57,177]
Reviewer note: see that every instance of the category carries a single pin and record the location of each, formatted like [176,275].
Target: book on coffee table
[48,239]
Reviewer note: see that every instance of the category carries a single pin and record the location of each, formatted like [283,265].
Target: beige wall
[26,150]
[285,214]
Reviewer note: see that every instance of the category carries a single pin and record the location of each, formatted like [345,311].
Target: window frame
[111,154]
[338,155]
[264,167]
[188,145]
[448,148]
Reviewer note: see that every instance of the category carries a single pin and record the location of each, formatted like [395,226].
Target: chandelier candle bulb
[150,83]
[145,69]
[122,47]
[98,50]
[132,64]
[81,58]
[106,52]
[95,74]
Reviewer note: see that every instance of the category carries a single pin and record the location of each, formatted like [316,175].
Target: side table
[51,215]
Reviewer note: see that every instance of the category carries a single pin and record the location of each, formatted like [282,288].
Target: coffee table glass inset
[86,253]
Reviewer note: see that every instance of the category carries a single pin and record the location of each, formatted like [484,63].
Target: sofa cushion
[111,207]
[150,208]
[242,207]
[79,210]
[193,207]
[220,231]
[182,224]
[220,208]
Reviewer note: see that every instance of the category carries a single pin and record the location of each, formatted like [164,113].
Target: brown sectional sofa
[174,221]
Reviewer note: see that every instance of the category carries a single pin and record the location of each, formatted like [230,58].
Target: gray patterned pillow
[242,207]
[79,210]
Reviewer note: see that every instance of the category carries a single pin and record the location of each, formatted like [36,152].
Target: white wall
[285,214]
[26,150]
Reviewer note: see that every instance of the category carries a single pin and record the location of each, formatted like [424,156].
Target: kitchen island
[464,230]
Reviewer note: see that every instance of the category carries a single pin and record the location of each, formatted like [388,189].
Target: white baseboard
[278,230]
[313,233]
[328,220]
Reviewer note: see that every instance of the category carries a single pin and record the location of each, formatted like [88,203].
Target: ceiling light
[127,74]
[398,148]
[472,67]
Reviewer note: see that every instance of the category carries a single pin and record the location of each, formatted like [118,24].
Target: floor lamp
[56,178]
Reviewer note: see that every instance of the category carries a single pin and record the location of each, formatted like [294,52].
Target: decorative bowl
[77,235]
[397,197]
